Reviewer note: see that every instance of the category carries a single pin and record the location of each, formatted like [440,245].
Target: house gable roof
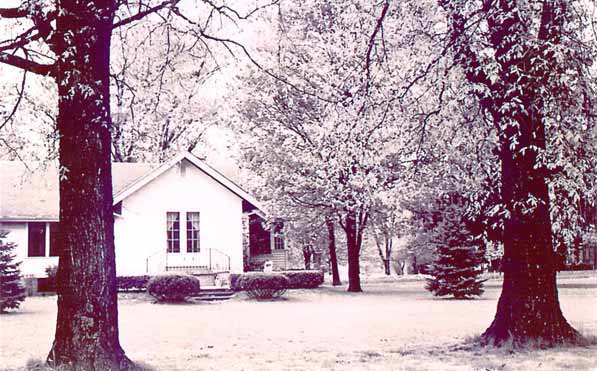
[205,168]
[29,191]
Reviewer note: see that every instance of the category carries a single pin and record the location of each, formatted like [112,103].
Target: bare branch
[18,102]
[377,29]
[142,13]
[27,65]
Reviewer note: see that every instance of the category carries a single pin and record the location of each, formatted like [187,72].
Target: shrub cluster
[173,287]
[260,285]
[304,279]
[297,279]
[132,283]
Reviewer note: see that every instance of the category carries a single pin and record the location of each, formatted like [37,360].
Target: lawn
[393,325]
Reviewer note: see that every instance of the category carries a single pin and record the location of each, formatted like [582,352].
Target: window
[36,239]
[55,238]
[193,232]
[173,231]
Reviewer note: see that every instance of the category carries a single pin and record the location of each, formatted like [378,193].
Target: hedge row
[132,283]
[298,279]
[304,279]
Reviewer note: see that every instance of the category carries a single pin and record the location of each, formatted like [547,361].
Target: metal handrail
[217,259]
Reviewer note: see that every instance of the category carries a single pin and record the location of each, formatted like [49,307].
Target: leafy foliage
[262,285]
[304,279]
[173,287]
[12,291]
[132,283]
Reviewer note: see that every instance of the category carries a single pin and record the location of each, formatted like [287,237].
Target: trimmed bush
[304,279]
[48,284]
[132,283]
[260,285]
[173,287]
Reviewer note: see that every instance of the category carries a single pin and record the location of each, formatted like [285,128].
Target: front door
[183,244]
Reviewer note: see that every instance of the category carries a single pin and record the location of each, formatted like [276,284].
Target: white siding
[141,230]
[31,266]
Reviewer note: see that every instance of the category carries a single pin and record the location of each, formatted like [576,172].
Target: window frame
[172,233]
[193,237]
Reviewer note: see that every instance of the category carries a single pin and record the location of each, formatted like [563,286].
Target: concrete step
[213,294]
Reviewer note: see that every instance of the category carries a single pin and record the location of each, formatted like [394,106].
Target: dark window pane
[55,239]
[37,239]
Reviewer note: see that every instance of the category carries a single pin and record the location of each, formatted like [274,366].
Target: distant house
[181,215]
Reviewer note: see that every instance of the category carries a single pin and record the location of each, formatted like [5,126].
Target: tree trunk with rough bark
[528,308]
[333,257]
[353,245]
[87,322]
[518,101]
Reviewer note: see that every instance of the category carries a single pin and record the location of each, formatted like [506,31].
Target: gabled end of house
[182,215]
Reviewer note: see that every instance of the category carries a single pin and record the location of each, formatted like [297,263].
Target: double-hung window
[193,232]
[173,231]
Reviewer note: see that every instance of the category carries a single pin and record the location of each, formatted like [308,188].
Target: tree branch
[18,102]
[141,14]
[377,29]
[27,65]
[13,13]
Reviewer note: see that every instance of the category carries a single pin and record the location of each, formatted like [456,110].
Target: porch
[266,244]
[203,262]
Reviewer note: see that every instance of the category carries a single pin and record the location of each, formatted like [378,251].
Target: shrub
[260,285]
[132,283]
[173,287]
[304,279]
[48,284]
[12,292]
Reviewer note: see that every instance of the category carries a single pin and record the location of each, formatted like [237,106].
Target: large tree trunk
[333,257]
[87,321]
[353,251]
[528,308]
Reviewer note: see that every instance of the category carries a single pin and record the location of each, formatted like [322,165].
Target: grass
[393,325]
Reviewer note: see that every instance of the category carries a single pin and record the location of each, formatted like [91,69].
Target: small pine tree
[12,292]
[457,268]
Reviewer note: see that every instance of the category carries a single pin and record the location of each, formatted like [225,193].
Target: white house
[181,215]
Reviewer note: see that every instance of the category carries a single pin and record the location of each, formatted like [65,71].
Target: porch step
[213,294]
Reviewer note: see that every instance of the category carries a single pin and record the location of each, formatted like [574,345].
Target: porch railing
[207,260]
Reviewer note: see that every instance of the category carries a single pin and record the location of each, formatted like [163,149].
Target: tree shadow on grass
[485,357]
[39,365]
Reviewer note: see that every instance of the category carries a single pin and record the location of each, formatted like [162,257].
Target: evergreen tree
[12,292]
[457,267]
